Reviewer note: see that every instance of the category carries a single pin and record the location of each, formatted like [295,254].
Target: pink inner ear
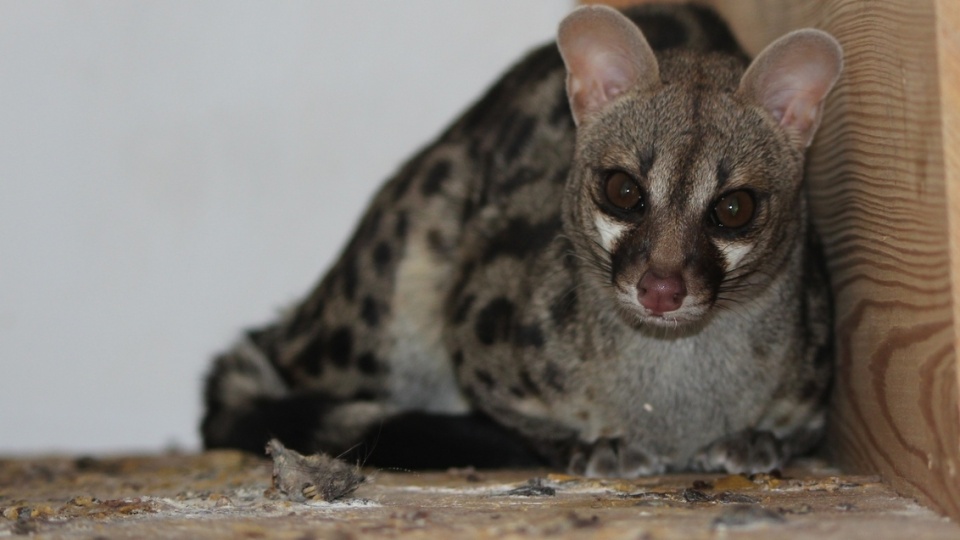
[801,114]
[606,55]
[794,98]
[792,77]
[602,76]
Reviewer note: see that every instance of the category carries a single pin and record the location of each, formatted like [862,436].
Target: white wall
[173,171]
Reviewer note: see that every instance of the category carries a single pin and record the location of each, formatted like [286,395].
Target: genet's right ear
[606,55]
[792,77]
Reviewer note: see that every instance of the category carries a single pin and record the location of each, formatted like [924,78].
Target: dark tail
[247,404]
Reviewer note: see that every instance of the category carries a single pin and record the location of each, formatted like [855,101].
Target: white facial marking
[609,230]
[734,254]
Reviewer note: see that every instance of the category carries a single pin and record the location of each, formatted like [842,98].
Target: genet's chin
[683,319]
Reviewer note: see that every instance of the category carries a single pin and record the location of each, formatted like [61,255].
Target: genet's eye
[623,191]
[733,210]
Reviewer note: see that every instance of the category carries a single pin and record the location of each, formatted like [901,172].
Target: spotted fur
[489,309]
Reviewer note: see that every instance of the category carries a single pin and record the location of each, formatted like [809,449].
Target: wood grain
[879,172]
[948,54]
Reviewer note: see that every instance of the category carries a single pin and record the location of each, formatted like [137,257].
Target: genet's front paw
[612,458]
[748,452]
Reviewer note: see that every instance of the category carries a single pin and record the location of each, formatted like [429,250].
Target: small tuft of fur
[313,477]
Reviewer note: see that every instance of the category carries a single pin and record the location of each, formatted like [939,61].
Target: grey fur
[486,276]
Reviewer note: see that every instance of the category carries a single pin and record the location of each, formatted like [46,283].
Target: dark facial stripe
[723,174]
[680,194]
[647,156]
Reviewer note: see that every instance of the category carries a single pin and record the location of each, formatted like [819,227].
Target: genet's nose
[661,294]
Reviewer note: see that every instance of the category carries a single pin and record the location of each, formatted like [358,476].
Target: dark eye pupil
[733,206]
[622,191]
[734,210]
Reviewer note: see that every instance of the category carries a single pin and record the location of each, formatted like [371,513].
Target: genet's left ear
[792,77]
[606,55]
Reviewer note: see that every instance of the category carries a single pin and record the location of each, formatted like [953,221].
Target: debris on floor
[317,476]
[224,494]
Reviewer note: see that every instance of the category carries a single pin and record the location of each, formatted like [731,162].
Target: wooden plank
[879,194]
[948,55]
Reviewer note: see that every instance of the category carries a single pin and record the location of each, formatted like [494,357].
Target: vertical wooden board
[878,191]
[948,56]
[879,198]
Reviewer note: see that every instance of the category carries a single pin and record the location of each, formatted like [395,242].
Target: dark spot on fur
[528,383]
[810,391]
[460,315]
[370,312]
[348,273]
[365,394]
[553,377]
[435,241]
[400,227]
[265,339]
[410,172]
[402,183]
[506,126]
[457,359]
[492,109]
[564,307]
[516,391]
[435,178]
[311,356]
[560,178]
[470,393]
[340,346]
[467,211]
[466,272]
[519,138]
[381,257]
[371,223]
[560,114]
[522,239]
[528,335]
[485,377]
[307,315]
[495,321]
[368,363]
[523,177]
[299,325]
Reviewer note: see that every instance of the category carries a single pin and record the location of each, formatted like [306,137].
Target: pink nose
[661,294]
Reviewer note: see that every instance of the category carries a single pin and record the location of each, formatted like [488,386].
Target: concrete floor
[230,495]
